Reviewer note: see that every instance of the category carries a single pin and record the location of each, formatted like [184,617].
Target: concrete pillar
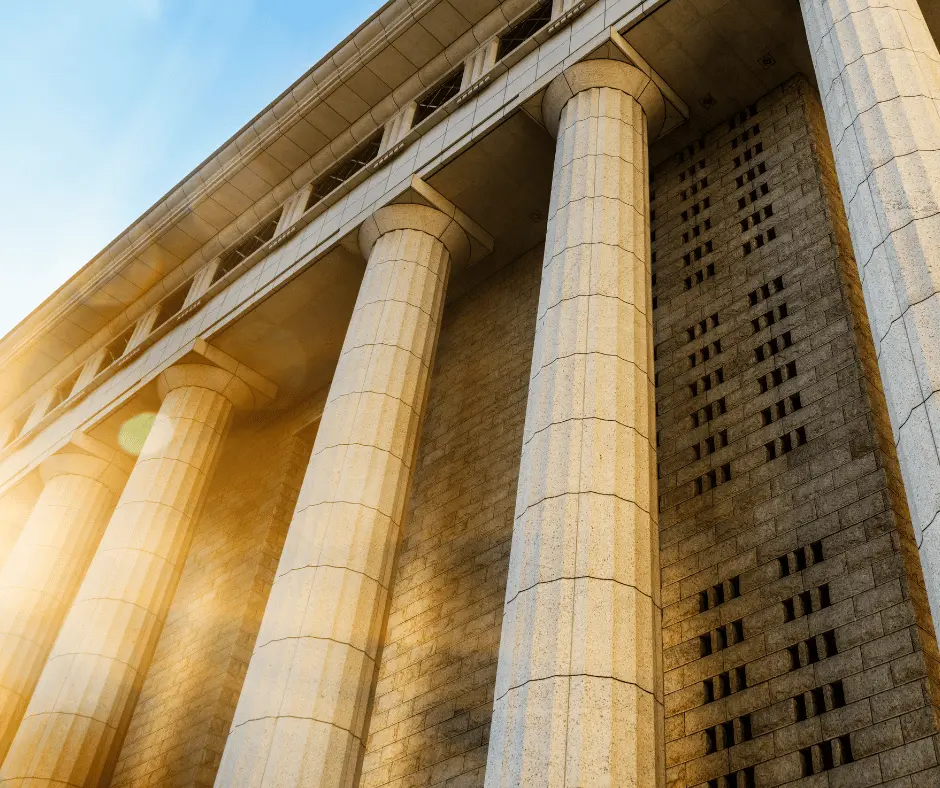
[301,718]
[878,70]
[578,698]
[82,704]
[47,564]
[15,507]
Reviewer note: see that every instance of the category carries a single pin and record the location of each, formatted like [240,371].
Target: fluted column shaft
[45,568]
[578,697]
[301,716]
[82,704]
[15,508]
[878,70]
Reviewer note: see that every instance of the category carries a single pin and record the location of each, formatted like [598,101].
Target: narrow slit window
[247,246]
[344,170]
[115,349]
[521,32]
[438,96]
[64,390]
[172,304]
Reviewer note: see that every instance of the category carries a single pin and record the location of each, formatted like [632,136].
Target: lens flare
[134,432]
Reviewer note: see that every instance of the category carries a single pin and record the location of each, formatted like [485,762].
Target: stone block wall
[797,644]
[434,694]
[188,699]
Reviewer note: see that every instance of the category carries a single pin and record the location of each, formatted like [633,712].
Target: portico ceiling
[503,181]
[722,55]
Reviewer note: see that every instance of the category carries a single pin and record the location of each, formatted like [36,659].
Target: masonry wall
[798,646]
[433,699]
[188,699]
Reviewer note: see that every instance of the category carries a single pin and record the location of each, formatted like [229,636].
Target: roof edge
[376,30]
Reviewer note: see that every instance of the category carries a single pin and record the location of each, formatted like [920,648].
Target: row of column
[579,685]
[578,697]
[584,585]
[83,596]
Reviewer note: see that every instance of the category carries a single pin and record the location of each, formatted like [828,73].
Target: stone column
[83,701]
[878,70]
[578,698]
[301,717]
[15,507]
[47,564]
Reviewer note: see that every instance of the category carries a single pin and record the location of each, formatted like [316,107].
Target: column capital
[88,457]
[422,208]
[605,73]
[422,218]
[209,368]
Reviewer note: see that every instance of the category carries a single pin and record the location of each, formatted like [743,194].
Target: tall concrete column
[85,696]
[578,698]
[301,717]
[878,70]
[47,564]
[15,507]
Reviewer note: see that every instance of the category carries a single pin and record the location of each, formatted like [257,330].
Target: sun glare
[134,432]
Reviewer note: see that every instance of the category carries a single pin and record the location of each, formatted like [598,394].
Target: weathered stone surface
[47,564]
[433,700]
[188,699]
[578,698]
[15,508]
[879,74]
[796,631]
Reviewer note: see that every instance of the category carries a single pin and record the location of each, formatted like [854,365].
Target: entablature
[507,46]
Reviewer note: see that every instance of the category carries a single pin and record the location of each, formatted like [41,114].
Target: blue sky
[106,104]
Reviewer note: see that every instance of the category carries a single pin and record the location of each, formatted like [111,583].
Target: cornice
[317,83]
